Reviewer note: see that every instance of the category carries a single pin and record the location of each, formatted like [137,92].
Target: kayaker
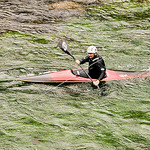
[96,69]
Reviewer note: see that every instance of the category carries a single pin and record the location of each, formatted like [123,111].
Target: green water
[78,116]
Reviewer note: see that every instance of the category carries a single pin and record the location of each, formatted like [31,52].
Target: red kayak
[77,75]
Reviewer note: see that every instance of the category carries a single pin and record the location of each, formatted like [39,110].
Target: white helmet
[92,49]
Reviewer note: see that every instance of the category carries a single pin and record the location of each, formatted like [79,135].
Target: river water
[77,116]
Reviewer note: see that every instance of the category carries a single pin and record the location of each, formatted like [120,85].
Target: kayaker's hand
[77,62]
[96,83]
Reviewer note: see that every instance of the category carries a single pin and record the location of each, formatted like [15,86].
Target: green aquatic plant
[129,12]
[41,41]
[135,114]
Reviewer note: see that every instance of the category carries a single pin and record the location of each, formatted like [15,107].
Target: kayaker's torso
[96,68]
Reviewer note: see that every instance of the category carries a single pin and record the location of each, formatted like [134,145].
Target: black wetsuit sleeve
[102,68]
[86,59]
[101,75]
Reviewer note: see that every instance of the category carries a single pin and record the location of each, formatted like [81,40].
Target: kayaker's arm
[102,68]
[86,59]
[97,82]
[102,74]
[82,61]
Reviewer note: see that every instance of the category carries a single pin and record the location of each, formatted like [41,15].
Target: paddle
[65,47]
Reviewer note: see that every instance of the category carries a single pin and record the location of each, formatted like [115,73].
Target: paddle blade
[64,47]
